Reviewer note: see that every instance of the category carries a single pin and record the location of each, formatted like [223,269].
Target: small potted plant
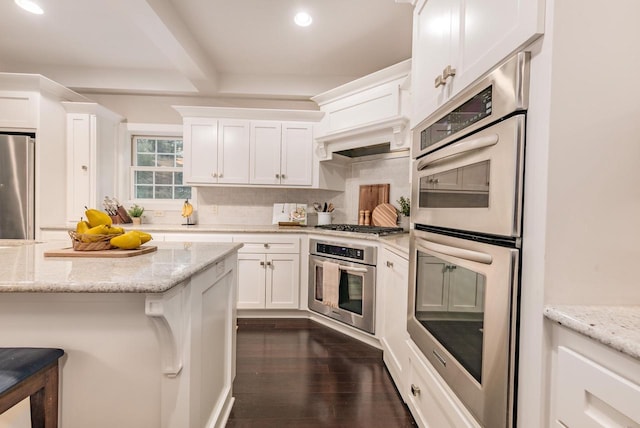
[405,212]
[136,213]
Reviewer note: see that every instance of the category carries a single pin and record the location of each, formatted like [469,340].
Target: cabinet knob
[84,168]
[439,81]
[415,390]
[277,175]
[389,264]
[268,263]
[261,263]
[266,245]
[220,175]
[214,174]
[283,176]
[448,72]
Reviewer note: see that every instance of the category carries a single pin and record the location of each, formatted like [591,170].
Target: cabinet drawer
[430,400]
[268,244]
[590,395]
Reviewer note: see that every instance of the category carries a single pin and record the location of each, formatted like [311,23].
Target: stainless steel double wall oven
[465,247]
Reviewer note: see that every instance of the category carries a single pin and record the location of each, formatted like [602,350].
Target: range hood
[382,137]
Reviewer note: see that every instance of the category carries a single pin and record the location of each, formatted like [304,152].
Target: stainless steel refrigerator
[17,186]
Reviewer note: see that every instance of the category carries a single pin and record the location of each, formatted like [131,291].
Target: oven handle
[458,149]
[353,269]
[474,256]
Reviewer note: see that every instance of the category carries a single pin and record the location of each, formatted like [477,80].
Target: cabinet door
[200,151]
[395,284]
[435,37]
[265,152]
[233,151]
[80,172]
[283,281]
[434,296]
[493,30]
[251,281]
[297,154]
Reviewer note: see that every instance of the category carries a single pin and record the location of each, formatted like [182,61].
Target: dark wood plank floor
[296,373]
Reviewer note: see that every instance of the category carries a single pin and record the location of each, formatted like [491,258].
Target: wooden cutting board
[115,253]
[385,215]
[372,195]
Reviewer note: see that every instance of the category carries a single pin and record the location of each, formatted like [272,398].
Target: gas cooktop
[357,228]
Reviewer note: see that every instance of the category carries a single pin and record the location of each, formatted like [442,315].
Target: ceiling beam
[160,22]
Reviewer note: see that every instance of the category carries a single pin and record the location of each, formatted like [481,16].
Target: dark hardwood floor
[296,373]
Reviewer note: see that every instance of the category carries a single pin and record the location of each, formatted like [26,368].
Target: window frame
[127,187]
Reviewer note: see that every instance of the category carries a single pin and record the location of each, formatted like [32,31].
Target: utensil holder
[324,218]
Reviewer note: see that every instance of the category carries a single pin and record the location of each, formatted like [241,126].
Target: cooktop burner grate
[377,230]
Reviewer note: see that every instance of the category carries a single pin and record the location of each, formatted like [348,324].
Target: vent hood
[366,116]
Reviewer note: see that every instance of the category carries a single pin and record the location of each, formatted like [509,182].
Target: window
[157,168]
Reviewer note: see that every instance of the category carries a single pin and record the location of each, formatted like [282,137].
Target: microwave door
[474,184]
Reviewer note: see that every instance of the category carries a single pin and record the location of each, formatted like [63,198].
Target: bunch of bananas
[99,224]
[187,209]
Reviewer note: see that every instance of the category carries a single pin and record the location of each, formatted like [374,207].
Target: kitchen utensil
[330,209]
[324,210]
[385,215]
[372,195]
[317,207]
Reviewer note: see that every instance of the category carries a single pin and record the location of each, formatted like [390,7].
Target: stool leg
[44,402]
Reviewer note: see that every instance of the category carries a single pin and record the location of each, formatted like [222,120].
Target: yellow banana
[187,209]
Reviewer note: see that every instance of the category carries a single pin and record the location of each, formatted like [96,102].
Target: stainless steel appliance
[17,186]
[356,284]
[465,246]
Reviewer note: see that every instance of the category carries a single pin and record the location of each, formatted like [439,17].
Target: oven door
[356,291]
[462,316]
[474,184]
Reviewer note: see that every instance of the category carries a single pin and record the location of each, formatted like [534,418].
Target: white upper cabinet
[455,42]
[296,154]
[233,151]
[216,151]
[235,146]
[281,153]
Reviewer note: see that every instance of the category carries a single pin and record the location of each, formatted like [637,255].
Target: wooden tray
[115,253]
[372,195]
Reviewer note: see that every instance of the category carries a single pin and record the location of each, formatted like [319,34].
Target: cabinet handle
[283,176]
[214,174]
[415,390]
[439,81]
[277,175]
[448,72]
[220,175]
[261,263]
[266,245]
[85,168]
[389,264]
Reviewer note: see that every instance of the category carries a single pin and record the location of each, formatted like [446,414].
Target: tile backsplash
[246,205]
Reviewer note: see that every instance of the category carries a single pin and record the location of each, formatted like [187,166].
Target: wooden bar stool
[31,372]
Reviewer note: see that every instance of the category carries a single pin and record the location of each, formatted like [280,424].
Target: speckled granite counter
[614,326]
[23,268]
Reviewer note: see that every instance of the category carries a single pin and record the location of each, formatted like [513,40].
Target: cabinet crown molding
[250,113]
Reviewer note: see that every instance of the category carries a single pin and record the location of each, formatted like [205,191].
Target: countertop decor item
[372,195]
[136,213]
[405,206]
[384,215]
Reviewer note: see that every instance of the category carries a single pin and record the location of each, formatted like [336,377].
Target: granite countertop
[23,268]
[400,241]
[614,326]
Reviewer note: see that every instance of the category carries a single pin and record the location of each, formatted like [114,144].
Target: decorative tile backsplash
[245,205]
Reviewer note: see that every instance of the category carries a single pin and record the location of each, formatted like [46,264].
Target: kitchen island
[149,340]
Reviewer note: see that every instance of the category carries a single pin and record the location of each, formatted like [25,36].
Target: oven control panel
[343,251]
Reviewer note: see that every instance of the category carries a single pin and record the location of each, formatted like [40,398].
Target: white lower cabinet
[268,272]
[431,401]
[193,237]
[592,384]
[393,274]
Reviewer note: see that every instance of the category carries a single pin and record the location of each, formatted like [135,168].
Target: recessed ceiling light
[303,19]
[30,6]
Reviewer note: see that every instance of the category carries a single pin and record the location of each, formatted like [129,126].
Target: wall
[246,205]
[594,180]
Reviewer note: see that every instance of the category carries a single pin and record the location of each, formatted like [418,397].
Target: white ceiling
[241,48]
